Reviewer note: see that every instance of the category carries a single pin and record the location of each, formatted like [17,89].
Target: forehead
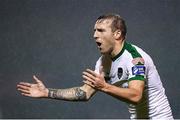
[103,23]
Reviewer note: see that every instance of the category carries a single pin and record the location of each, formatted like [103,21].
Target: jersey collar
[120,53]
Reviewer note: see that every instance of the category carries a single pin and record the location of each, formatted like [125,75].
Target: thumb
[36,79]
[101,71]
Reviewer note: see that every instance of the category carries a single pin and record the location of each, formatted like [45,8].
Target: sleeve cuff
[137,77]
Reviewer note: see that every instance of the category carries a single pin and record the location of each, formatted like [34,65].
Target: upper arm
[138,87]
[137,84]
[137,77]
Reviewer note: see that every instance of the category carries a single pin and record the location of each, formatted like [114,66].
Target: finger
[26,94]
[92,72]
[25,84]
[88,83]
[36,79]
[89,75]
[88,79]
[23,87]
[24,91]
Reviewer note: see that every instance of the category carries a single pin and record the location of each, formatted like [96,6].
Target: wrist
[51,93]
[105,88]
[46,92]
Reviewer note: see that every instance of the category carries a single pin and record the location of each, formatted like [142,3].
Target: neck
[117,49]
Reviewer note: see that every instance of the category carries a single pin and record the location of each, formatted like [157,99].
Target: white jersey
[132,63]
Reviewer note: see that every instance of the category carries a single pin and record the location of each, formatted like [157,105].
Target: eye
[100,30]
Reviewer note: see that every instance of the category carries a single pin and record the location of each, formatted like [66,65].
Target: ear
[117,34]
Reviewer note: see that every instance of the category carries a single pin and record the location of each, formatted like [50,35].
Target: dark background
[53,40]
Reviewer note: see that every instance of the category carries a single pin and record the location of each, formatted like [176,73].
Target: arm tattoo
[71,94]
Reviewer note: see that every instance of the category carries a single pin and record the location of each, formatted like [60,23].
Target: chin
[104,53]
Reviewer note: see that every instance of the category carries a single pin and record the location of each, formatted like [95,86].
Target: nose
[95,35]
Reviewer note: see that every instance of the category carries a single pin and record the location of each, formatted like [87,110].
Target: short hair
[117,23]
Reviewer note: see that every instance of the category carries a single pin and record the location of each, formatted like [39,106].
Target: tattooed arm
[39,90]
[82,93]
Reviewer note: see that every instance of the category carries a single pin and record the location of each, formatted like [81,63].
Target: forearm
[125,94]
[70,94]
[82,93]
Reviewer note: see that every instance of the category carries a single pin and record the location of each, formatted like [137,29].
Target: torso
[124,68]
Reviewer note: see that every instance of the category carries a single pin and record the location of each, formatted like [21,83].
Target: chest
[118,74]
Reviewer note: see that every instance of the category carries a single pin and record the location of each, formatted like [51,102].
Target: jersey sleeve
[136,69]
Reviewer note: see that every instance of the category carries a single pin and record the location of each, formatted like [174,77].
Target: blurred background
[53,39]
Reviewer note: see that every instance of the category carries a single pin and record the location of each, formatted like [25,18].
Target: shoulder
[138,54]
[132,50]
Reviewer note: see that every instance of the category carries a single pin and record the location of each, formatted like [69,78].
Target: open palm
[37,89]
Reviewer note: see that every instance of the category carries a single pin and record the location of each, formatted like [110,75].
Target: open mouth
[98,43]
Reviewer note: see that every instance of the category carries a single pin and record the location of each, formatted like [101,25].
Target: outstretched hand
[93,79]
[36,89]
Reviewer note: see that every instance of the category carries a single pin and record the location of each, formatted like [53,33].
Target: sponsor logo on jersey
[138,60]
[120,72]
[138,70]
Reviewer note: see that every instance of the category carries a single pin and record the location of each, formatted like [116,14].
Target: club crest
[120,72]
